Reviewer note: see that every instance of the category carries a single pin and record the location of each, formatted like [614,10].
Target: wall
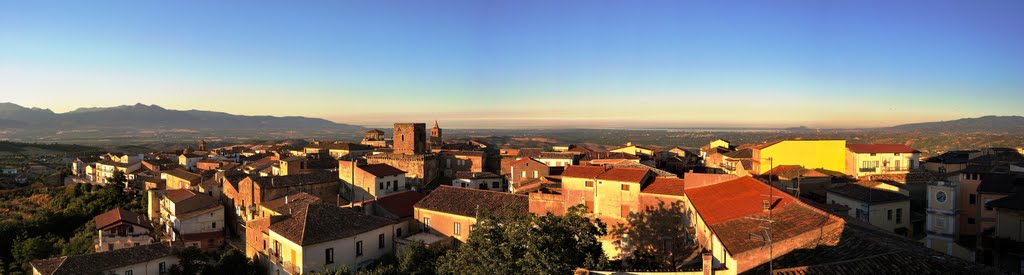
[541,204]
[313,257]
[1009,224]
[444,223]
[410,138]
[419,169]
[987,215]
[811,154]
[119,237]
[877,213]
[527,170]
[970,213]
[886,163]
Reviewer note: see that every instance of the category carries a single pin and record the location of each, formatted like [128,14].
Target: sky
[525,64]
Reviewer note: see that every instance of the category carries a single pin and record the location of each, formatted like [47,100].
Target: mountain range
[985,124]
[153,117]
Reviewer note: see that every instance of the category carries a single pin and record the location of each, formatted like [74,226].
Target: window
[359,248]
[524,173]
[470,228]
[872,154]
[329,255]
[110,246]
[987,208]
[590,206]
[972,198]
[458,229]
[214,224]
[381,185]
[896,154]
[398,232]
[625,211]
[899,215]
[131,229]
[163,267]
[625,187]
[380,240]
[889,214]
[970,220]
[136,244]
[127,272]
[426,225]
[589,183]
[495,185]
[535,174]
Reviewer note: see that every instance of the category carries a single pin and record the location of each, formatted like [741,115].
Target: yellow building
[811,154]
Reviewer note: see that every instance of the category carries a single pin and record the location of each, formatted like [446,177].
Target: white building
[481,180]
[196,219]
[878,159]
[118,229]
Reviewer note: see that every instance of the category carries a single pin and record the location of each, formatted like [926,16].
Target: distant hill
[989,124]
[127,120]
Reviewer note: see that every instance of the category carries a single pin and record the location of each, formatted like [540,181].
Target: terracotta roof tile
[880,148]
[466,202]
[636,175]
[401,204]
[586,172]
[666,186]
[117,215]
[95,263]
[320,222]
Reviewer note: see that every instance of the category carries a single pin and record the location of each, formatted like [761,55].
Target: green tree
[118,179]
[546,244]
[656,238]
[234,261]
[192,261]
[417,258]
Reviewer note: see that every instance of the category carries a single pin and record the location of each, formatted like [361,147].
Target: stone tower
[202,145]
[435,135]
[410,138]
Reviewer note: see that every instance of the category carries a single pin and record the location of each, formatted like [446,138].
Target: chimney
[706,263]
[285,199]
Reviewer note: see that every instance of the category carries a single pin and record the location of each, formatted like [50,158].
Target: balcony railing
[868,170]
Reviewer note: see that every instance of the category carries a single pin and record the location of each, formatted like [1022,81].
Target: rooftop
[117,215]
[381,170]
[401,204]
[880,148]
[579,171]
[666,186]
[465,202]
[320,222]
[102,261]
[295,180]
[635,175]
[865,192]
[476,175]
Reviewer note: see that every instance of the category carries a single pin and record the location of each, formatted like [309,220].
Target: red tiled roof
[666,186]
[587,172]
[880,148]
[401,204]
[120,215]
[732,199]
[466,202]
[381,170]
[624,174]
[524,160]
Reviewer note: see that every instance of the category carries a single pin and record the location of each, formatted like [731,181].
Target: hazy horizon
[526,64]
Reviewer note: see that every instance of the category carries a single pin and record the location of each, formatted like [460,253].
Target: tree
[234,261]
[546,244]
[657,238]
[118,179]
[417,258]
[192,261]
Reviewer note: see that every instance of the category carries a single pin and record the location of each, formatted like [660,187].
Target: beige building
[319,236]
[370,181]
[452,211]
[196,219]
[879,204]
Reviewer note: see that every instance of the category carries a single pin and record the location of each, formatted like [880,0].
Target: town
[410,194]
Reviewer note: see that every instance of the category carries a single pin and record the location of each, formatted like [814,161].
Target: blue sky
[525,63]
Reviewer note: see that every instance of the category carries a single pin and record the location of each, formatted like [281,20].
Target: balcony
[868,170]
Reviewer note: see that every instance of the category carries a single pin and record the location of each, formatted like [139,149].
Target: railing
[872,169]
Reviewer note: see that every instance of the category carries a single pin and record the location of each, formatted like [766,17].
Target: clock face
[940,196]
